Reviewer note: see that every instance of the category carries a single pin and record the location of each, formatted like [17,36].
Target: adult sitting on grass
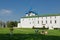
[44,32]
[36,31]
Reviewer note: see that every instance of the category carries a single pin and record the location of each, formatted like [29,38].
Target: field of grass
[28,34]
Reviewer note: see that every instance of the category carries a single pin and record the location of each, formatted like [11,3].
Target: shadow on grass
[28,37]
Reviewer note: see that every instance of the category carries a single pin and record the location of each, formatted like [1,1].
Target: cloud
[5,11]
[6,14]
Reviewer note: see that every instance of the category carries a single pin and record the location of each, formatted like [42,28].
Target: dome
[32,12]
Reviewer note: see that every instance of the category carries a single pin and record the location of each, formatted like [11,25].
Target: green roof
[42,15]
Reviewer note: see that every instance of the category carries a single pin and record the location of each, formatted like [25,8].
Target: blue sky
[15,9]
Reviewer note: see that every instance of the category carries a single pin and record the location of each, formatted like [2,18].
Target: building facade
[32,19]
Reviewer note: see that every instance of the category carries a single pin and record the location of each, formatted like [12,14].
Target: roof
[31,12]
[42,15]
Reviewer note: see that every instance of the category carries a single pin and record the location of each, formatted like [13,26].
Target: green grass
[28,34]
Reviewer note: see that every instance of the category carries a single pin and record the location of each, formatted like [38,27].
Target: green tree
[15,23]
[12,24]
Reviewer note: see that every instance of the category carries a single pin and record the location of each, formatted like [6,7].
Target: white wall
[32,14]
[19,25]
[26,14]
[30,22]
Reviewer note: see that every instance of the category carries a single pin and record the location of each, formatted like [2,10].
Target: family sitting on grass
[42,32]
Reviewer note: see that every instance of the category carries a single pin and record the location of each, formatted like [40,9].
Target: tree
[15,23]
[2,24]
[12,24]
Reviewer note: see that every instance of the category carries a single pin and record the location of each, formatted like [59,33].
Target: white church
[32,19]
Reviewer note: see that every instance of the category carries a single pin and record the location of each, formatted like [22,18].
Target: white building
[33,20]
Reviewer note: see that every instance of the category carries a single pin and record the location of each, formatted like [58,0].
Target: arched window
[38,22]
[51,21]
[55,21]
[46,21]
[42,22]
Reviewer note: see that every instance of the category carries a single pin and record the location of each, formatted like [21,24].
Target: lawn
[28,34]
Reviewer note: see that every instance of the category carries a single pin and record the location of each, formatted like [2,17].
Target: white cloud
[5,11]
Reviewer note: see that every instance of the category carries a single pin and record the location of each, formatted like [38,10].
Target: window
[46,21]
[38,22]
[42,22]
[55,21]
[55,16]
[50,16]
[30,22]
[50,21]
